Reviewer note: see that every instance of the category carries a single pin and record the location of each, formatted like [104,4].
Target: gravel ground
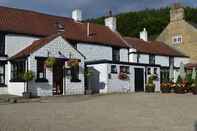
[117,112]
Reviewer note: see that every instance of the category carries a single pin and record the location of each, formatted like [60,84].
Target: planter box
[164,90]
[26,94]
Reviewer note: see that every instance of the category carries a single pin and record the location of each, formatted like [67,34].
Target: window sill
[3,85]
[75,80]
[17,80]
[41,80]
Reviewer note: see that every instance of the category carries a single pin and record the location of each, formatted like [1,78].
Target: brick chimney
[144,35]
[110,21]
[177,12]
[77,15]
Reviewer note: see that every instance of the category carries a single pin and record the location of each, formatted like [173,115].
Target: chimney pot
[77,15]
[144,35]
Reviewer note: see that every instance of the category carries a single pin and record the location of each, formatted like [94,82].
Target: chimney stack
[111,21]
[77,15]
[144,35]
[177,12]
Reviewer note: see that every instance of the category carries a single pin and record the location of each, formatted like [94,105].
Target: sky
[91,8]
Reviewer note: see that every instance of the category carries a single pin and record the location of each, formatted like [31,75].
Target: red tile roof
[97,34]
[34,46]
[34,23]
[29,22]
[153,47]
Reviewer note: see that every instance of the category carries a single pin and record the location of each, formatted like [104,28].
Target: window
[2,75]
[116,54]
[2,44]
[41,71]
[138,58]
[113,69]
[155,71]
[149,71]
[17,70]
[75,73]
[171,61]
[151,59]
[124,69]
[164,75]
[178,39]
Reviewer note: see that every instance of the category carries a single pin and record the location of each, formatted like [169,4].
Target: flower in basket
[123,76]
[165,87]
[73,62]
[50,61]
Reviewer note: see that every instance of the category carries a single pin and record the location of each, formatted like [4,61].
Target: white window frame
[177,39]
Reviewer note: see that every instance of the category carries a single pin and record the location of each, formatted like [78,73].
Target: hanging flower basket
[123,76]
[50,61]
[73,62]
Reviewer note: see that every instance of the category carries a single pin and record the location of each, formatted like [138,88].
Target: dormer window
[178,39]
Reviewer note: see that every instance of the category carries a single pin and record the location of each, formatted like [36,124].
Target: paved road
[118,112]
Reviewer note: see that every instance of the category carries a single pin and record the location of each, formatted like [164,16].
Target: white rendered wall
[124,55]
[115,84]
[178,60]
[144,59]
[3,90]
[162,60]
[95,52]
[15,43]
[133,58]
[15,88]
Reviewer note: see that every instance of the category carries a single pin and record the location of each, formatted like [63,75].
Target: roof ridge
[32,11]
[124,41]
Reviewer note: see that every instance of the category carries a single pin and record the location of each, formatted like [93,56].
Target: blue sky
[90,8]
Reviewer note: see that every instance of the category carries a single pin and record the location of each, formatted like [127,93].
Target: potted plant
[150,87]
[88,73]
[165,88]
[28,76]
[123,76]
[50,61]
[181,86]
[194,88]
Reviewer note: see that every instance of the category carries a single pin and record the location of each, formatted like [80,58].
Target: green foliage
[50,61]
[28,76]
[88,72]
[179,80]
[155,21]
[189,78]
[152,78]
[150,86]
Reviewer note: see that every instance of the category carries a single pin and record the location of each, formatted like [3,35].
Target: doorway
[58,75]
[139,79]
